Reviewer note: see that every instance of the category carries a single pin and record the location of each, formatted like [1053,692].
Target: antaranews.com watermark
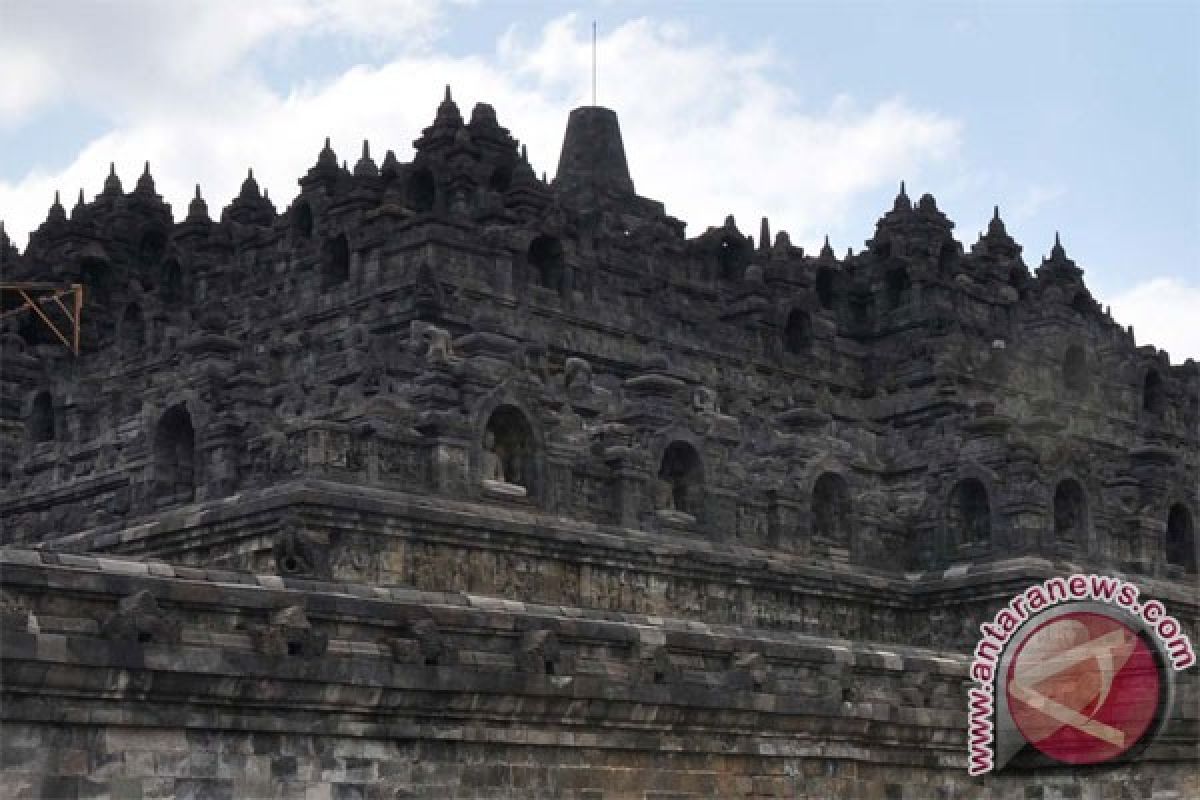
[1085,681]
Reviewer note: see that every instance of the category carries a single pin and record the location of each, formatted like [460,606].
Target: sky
[1076,117]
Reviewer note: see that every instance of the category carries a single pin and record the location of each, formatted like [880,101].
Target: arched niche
[681,478]
[509,452]
[1152,393]
[421,190]
[96,276]
[1179,542]
[171,284]
[797,331]
[948,257]
[151,247]
[1070,514]
[1075,369]
[969,516]
[547,263]
[897,288]
[500,179]
[1016,279]
[302,220]
[174,455]
[335,261]
[831,522]
[824,284]
[41,418]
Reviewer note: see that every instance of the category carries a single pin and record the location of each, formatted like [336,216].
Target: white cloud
[132,58]
[708,129]
[1162,312]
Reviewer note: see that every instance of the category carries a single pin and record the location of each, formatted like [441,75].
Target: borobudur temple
[450,481]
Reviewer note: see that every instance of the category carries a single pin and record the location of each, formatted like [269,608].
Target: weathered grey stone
[138,618]
[451,482]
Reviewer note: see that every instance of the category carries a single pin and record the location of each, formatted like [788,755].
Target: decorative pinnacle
[146,181]
[249,186]
[390,163]
[57,213]
[447,113]
[327,158]
[902,202]
[365,168]
[197,209]
[112,184]
[764,234]
[1058,252]
[996,226]
[826,249]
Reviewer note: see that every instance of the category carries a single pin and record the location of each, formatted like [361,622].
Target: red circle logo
[1083,688]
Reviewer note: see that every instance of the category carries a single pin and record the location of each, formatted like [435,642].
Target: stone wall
[138,679]
[451,481]
[52,762]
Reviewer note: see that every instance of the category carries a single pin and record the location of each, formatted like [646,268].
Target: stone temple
[447,481]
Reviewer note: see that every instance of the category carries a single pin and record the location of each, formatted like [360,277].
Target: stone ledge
[224,589]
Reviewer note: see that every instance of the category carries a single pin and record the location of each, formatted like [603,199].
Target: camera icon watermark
[1075,670]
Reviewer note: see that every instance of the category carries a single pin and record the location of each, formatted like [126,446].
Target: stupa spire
[57,213]
[593,154]
[365,168]
[827,249]
[249,187]
[145,184]
[1058,252]
[112,184]
[996,226]
[198,209]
